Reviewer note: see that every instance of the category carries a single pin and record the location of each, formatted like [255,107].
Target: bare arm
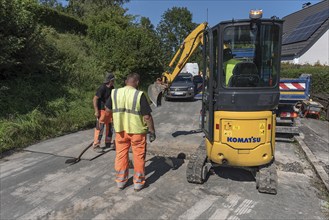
[95,100]
[149,121]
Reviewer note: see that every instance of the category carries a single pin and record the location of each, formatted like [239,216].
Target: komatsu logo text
[244,140]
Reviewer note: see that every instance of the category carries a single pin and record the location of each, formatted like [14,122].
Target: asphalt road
[37,184]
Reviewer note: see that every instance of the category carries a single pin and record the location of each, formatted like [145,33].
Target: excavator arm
[185,51]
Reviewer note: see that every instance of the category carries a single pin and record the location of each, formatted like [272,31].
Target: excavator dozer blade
[155,93]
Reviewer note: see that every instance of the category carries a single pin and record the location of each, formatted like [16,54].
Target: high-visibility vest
[126,111]
[228,67]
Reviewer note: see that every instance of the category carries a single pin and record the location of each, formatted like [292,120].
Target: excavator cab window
[250,55]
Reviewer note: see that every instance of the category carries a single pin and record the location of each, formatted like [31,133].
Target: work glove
[152,137]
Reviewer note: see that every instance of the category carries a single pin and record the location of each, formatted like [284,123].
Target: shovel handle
[76,160]
[84,150]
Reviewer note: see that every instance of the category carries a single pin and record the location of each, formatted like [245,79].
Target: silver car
[181,88]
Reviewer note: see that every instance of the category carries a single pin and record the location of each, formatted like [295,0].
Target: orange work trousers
[105,120]
[123,141]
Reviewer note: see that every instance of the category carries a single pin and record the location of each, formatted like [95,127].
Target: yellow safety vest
[126,111]
[228,67]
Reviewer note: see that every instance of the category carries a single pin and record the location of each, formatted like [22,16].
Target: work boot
[138,187]
[97,148]
[109,146]
[121,185]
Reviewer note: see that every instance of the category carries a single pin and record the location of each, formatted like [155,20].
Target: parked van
[192,68]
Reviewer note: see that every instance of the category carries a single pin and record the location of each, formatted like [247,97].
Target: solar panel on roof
[307,27]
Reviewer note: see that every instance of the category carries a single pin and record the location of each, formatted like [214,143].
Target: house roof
[303,28]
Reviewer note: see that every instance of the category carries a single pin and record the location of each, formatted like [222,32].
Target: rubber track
[195,165]
[268,179]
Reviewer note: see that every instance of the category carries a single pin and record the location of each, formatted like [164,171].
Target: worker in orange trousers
[132,120]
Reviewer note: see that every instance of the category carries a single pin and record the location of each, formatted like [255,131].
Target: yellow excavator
[241,70]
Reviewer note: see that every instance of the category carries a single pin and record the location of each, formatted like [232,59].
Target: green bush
[320,75]
[60,21]
[21,42]
[23,130]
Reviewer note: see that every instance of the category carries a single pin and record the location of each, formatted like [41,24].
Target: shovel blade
[154,92]
[72,160]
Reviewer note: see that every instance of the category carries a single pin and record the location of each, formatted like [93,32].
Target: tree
[49,3]
[175,25]
[125,46]
[146,23]
[82,8]
[21,42]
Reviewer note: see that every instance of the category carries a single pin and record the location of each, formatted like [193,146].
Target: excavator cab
[240,94]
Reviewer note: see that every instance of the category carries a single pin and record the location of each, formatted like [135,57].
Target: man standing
[104,119]
[132,120]
[229,63]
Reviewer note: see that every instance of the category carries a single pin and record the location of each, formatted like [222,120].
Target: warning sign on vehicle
[262,128]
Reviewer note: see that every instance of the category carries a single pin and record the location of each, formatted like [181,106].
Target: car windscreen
[186,79]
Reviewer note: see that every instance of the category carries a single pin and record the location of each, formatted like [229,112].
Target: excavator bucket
[154,92]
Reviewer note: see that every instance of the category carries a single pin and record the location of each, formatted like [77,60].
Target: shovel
[76,160]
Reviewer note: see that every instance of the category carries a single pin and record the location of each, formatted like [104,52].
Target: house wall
[319,52]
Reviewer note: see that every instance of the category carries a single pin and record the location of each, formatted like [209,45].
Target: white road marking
[232,201]
[245,207]
[220,214]
[233,217]
[198,208]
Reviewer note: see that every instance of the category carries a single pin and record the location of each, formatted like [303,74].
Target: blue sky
[218,10]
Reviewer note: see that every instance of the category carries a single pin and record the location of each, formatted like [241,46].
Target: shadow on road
[158,167]
[236,174]
[178,133]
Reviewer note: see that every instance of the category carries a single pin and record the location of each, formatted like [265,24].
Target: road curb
[315,162]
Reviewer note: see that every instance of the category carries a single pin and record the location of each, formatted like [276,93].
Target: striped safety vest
[126,111]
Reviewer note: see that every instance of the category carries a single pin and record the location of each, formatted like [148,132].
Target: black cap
[109,77]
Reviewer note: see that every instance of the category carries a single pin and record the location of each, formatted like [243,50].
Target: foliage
[86,8]
[126,46]
[51,4]
[21,44]
[319,80]
[146,23]
[51,64]
[175,24]
[60,21]
[23,130]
